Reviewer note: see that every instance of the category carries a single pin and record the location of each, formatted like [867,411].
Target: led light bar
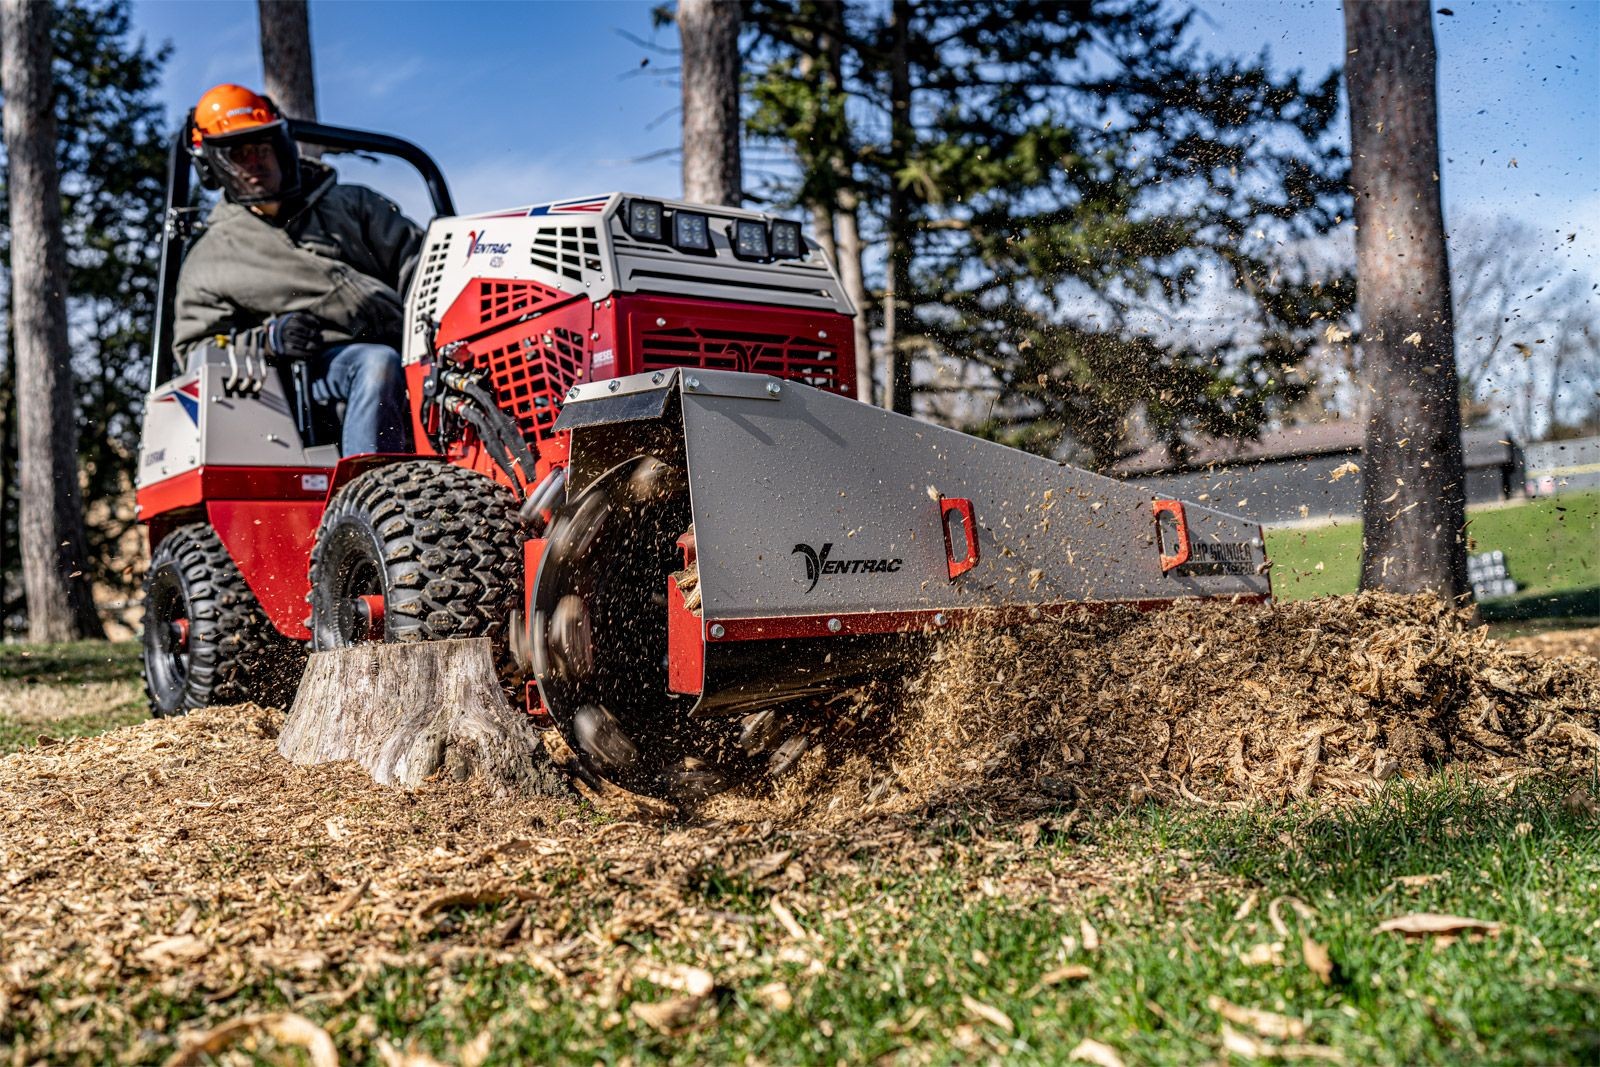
[691,231]
[750,239]
[786,240]
[644,219]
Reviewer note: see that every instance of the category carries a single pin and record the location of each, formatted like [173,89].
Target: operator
[314,266]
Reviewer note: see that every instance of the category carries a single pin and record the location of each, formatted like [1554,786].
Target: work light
[691,231]
[644,219]
[786,240]
[750,239]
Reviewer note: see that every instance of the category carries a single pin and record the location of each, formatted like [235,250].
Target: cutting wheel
[600,645]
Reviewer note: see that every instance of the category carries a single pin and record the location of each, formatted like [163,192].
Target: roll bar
[179,223]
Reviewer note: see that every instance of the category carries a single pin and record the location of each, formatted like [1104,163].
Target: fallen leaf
[1317,960]
[1265,1023]
[285,1028]
[989,1014]
[671,1016]
[173,951]
[1072,972]
[1091,1051]
[1431,924]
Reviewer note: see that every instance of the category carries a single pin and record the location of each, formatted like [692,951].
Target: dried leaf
[1091,1051]
[1431,924]
[1265,1023]
[989,1014]
[283,1027]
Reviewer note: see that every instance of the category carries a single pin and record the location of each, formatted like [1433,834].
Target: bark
[408,711]
[286,56]
[838,222]
[1413,504]
[898,224]
[709,30]
[60,606]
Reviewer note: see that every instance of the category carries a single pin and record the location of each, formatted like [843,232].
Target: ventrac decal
[818,564]
[478,244]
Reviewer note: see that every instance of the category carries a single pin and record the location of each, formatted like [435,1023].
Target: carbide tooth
[603,740]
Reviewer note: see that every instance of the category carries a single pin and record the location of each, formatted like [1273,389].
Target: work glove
[295,335]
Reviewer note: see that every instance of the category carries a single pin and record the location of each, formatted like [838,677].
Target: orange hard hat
[228,108]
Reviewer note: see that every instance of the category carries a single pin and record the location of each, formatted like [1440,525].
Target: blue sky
[523,102]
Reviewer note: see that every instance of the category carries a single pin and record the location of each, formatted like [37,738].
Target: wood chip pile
[185,860]
[1209,704]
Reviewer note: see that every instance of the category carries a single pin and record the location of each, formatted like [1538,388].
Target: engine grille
[531,368]
[787,356]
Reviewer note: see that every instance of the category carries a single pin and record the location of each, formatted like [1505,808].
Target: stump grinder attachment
[737,549]
[639,470]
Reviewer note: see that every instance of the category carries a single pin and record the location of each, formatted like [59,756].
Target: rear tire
[436,549]
[206,639]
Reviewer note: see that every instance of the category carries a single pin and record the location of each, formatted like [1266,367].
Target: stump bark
[408,711]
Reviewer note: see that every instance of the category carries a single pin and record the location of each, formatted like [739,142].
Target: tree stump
[407,711]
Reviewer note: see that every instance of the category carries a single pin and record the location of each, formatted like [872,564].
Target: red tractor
[641,471]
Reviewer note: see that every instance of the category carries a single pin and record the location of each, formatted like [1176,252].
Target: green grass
[1552,546]
[900,948]
[67,690]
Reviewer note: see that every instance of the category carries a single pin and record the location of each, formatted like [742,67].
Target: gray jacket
[344,255]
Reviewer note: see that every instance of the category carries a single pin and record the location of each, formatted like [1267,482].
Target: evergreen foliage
[112,155]
[1086,188]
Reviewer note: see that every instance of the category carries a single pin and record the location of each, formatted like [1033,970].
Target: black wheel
[206,639]
[416,551]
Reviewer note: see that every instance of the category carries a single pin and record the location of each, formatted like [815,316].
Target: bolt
[939,619]
[774,388]
[614,386]
[717,629]
[594,337]
[661,322]
[834,626]
[693,383]
[823,334]
[655,379]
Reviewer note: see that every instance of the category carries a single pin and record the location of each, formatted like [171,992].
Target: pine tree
[1055,186]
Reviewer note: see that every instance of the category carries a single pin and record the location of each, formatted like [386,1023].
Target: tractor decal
[186,396]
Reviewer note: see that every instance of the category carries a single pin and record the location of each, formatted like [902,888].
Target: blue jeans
[368,378]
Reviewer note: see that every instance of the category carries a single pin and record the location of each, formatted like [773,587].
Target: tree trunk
[898,250]
[286,56]
[407,711]
[60,607]
[709,31]
[1413,506]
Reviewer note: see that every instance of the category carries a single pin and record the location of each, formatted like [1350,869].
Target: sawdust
[1207,704]
[184,860]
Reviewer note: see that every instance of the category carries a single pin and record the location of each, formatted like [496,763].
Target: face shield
[254,166]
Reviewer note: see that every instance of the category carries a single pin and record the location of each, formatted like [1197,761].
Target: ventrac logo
[478,244]
[818,564]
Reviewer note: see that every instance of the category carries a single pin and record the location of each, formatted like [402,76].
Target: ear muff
[202,167]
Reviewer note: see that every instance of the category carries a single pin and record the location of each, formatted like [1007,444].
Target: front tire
[206,639]
[416,551]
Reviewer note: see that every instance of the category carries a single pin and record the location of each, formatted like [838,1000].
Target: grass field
[1552,546]
[70,690]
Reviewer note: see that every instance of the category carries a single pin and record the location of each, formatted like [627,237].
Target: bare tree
[1413,504]
[60,606]
[286,60]
[709,30]
[1526,327]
